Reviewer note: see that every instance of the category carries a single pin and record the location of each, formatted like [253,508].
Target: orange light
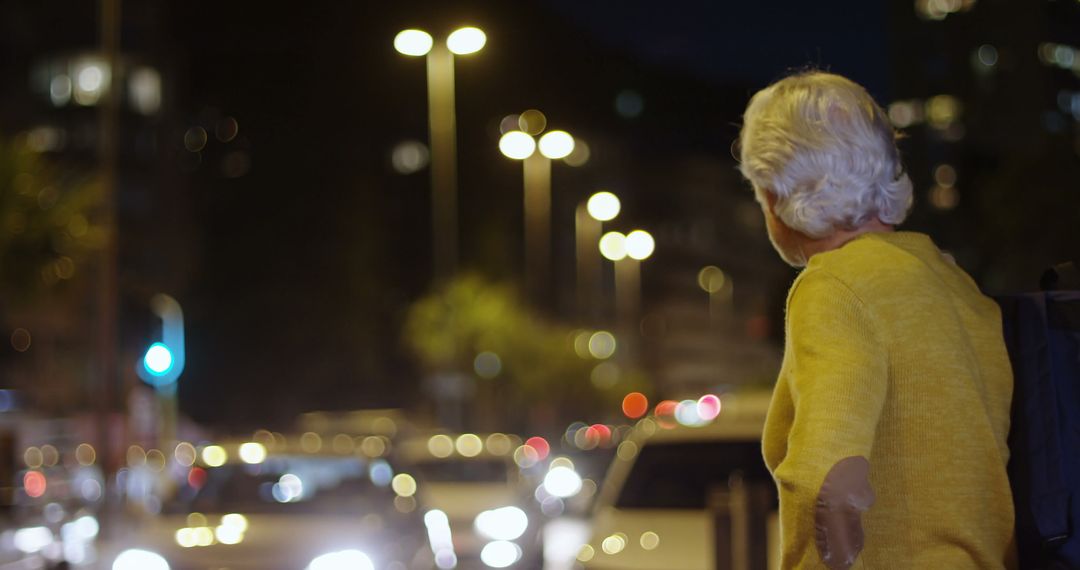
[635,405]
[34,483]
[540,445]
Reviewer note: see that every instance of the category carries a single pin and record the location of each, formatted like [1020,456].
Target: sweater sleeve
[837,373]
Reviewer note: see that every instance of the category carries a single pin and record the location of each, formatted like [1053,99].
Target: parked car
[693,498]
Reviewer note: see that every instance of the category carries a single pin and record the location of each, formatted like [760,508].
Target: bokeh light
[532,122]
[540,445]
[441,445]
[517,145]
[640,244]
[404,485]
[581,343]
[85,454]
[635,405]
[500,554]
[158,359]
[252,452]
[601,433]
[613,246]
[562,482]
[525,456]
[602,345]
[20,340]
[184,453]
[469,445]
[34,484]
[603,206]
[665,414]
[650,540]
[196,477]
[373,446]
[505,523]
[614,544]
[33,458]
[487,365]
[310,442]
[556,144]
[711,279]
[464,41]
[413,42]
[498,444]
[351,559]
[409,157]
[944,197]
[708,407]
[580,155]
[214,455]
[629,104]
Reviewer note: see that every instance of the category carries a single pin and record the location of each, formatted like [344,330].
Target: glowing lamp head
[413,42]
[613,246]
[468,40]
[556,144]
[639,244]
[603,206]
[158,359]
[517,145]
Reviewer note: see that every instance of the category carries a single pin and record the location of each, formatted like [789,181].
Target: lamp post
[627,252]
[713,281]
[536,166]
[589,221]
[443,133]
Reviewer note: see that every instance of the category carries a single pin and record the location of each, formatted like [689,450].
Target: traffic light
[163,361]
[158,360]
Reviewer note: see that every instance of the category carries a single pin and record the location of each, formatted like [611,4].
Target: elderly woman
[887,430]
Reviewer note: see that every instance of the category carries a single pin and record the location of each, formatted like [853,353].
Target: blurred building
[988,94]
[56,82]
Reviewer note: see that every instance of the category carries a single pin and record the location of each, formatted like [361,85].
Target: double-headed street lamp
[443,132]
[553,145]
[627,252]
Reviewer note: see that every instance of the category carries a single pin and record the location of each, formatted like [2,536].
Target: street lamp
[553,145]
[163,363]
[589,221]
[627,252]
[443,132]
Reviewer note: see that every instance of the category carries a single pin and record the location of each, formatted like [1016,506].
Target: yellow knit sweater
[893,354]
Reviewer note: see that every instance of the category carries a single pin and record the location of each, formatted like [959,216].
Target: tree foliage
[45,227]
[449,328]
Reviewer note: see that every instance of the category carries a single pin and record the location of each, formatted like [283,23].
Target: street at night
[534,284]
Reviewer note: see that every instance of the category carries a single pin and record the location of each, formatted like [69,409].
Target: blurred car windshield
[288,486]
[681,475]
[464,471]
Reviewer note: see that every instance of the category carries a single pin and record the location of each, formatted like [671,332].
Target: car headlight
[500,554]
[342,560]
[136,559]
[506,523]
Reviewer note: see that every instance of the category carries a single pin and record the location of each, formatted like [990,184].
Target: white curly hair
[820,145]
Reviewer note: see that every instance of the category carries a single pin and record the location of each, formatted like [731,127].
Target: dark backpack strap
[1050,504]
